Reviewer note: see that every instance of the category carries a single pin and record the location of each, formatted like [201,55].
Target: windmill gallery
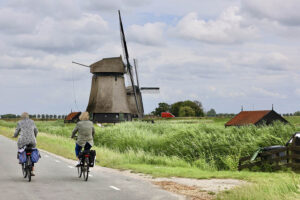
[110,100]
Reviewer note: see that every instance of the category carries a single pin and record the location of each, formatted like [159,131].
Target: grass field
[196,148]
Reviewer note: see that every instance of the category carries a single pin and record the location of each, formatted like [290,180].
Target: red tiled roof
[72,115]
[247,117]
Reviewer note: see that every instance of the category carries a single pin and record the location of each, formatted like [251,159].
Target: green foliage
[8,116]
[297,113]
[201,143]
[278,187]
[162,107]
[156,146]
[186,111]
[211,113]
[196,106]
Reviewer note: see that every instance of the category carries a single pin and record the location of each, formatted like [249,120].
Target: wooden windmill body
[108,100]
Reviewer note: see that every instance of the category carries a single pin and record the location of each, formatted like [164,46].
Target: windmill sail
[138,87]
[129,68]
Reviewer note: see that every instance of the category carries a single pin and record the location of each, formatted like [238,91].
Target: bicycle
[84,166]
[28,165]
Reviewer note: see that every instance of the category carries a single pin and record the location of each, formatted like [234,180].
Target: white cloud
[37,49]
[56,9]
[268,93]
[270,61]
[26,62]
[65,35]
[109,5]
[13,22]
[285,12]
[297,92]
[228,28]
[148,34]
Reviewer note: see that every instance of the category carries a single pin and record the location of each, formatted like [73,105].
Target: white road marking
[70,166]
[115,188]
[57,161]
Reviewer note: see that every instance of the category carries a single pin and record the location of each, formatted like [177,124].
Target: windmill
[110,100]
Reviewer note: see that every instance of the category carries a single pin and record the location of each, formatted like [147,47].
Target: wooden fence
[276,159]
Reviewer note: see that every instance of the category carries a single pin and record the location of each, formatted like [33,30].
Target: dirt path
[191,189]
[195,189]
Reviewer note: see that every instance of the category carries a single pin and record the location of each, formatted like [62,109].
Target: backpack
[35,155]
[22,157]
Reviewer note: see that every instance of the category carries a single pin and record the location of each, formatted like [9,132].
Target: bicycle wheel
[29,168]
[24,171]
[79,170]
[83,168]
[87,168]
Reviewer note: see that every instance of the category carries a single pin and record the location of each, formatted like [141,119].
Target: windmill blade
[80,64]
[123,40]
[129,67]
[150,90]
[138,85]
[136,72]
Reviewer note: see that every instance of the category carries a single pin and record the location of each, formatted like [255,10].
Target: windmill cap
[108,65]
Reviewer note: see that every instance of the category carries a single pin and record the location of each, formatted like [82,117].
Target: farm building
[73,117]
[257,117]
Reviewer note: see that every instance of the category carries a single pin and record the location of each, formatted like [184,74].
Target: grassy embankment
[186,148]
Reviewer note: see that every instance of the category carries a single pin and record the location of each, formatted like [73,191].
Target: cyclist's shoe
[78,163]
[32,174]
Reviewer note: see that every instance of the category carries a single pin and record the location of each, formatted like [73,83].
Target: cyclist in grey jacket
[86,132]
[27,131]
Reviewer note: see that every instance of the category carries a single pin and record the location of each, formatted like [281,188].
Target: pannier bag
[22,157]
[92,158]
[35,155]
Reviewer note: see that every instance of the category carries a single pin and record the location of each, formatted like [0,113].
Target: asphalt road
[56,178]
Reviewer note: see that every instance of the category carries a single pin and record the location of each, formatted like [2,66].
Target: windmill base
[111,117]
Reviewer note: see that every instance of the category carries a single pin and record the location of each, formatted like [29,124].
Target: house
[73,117]
[256,118]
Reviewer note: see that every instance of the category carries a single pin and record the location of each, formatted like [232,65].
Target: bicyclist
[27,131]
[86,131]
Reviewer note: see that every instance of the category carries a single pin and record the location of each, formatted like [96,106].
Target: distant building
[73,117]
[258,117]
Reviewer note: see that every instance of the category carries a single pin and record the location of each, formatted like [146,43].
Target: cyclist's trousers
[78,148]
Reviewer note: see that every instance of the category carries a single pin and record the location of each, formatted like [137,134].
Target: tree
[8,116]
[297,113]
[162,107]
[175,108]
[196,106]
[186,111]
[211,113]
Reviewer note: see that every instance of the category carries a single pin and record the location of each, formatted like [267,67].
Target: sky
[223,53]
